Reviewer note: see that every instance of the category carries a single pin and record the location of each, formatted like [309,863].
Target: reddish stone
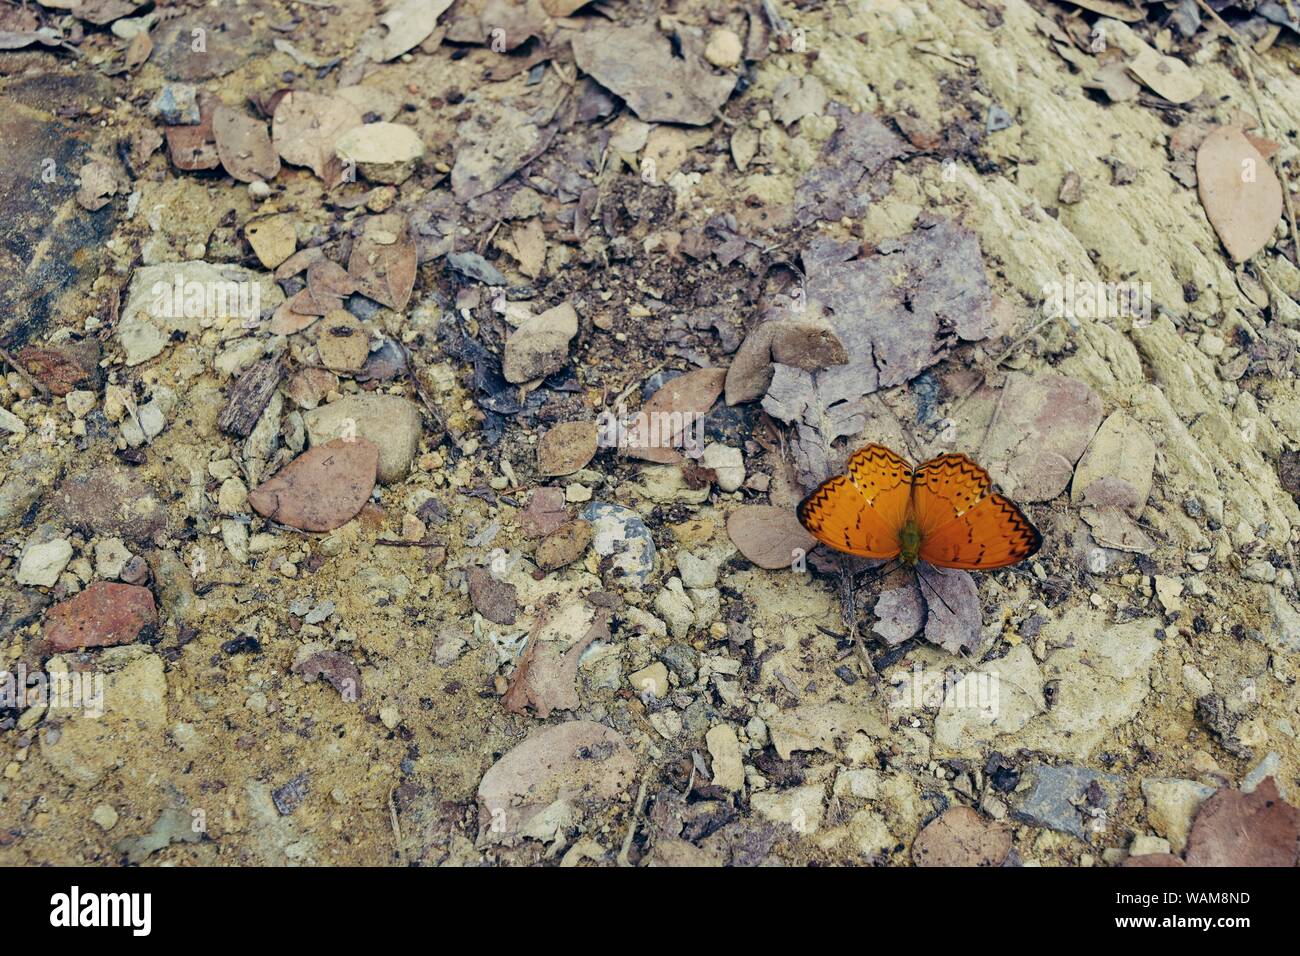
[103,614]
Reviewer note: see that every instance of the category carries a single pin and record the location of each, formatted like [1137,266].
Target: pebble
[104,816]
[41,564]
[620,532]
[650,681]
[727,463]
[390,421]
[1055,795]
[383,152]
[176,104]
[1147,845]
[676,608]
[540,345]
[232,498]
[495,600]
[724,49]
[80,403]
[111,557]
[724,748]
[1260,571]
[104,614]
[697,572]
[576,493]
[1171,805]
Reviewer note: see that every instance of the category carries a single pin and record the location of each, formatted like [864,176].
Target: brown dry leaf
[768,536]
[564,545]
[899,610]
[563,8]
[953,613]
[56,369]
[1239,191]
[305,128]
[638,64]
[547,676]
[575,761]
[244,145]
[961,837]
[1245,829]
[528,247]
[493,142]
[328,284]
[384,261]
[664,420]
[1109,8]
[323,488]
[566,448]
[273,239]
[289,318]
[806,345]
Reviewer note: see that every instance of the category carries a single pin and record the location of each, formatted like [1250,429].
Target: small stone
[176,104]
[727,463]
[1171,805]
[382,152]
[103,614]
[676,608]
[232,498]
[80,403]
[724,49]
[724,747]
[111,557]
[104,816]
[799,808]
[540,345]
[577,493]
[41,564]
[1260,571]
[389,716]
[1147,845]
[413,528]
[680,659]
[651,681]
[696,572]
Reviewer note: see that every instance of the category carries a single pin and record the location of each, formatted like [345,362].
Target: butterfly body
[944,512]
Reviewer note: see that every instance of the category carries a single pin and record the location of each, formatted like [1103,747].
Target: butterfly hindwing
[963,523]
[863,510]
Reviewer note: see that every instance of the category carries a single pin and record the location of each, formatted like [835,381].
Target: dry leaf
[1245,829]
[244,145]
[323,488]
[306,126]
[408,23]
[547,675]
[384,261]
[961,837]
[670,413]
[566,448]
[1241,195]
[768,536]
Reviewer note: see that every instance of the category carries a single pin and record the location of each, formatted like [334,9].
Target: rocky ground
[316,322]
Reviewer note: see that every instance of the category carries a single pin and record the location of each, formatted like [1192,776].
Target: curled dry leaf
[768,536]
[323,488]
[566,448]
[98,185]
[960,836]
[305,128]
[670,413]
[1239,191]
[244,145]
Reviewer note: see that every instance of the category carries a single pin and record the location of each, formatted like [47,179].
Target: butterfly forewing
[963,523]
[863,510]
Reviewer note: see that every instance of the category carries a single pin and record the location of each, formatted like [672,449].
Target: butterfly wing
[861,511]
[963,523]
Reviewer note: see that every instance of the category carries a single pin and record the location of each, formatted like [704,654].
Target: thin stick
[849,613]
[920,577]
[632,824]
[26,375]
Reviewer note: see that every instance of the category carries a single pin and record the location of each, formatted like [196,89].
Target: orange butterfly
[944,513]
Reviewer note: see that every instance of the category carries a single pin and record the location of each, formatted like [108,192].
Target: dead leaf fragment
[273,239]
[384,262]
[1239,191]
[98,185]
[663,424]
[566,448]
[323,488]
[960,836]
[1245,829]
[547,676]
[244,145]
[638,64]
[306,126]
[768,536]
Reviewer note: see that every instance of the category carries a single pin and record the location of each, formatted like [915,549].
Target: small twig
[26,375]
[623,859]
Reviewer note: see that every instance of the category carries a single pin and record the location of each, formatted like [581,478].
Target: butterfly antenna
[933,590]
